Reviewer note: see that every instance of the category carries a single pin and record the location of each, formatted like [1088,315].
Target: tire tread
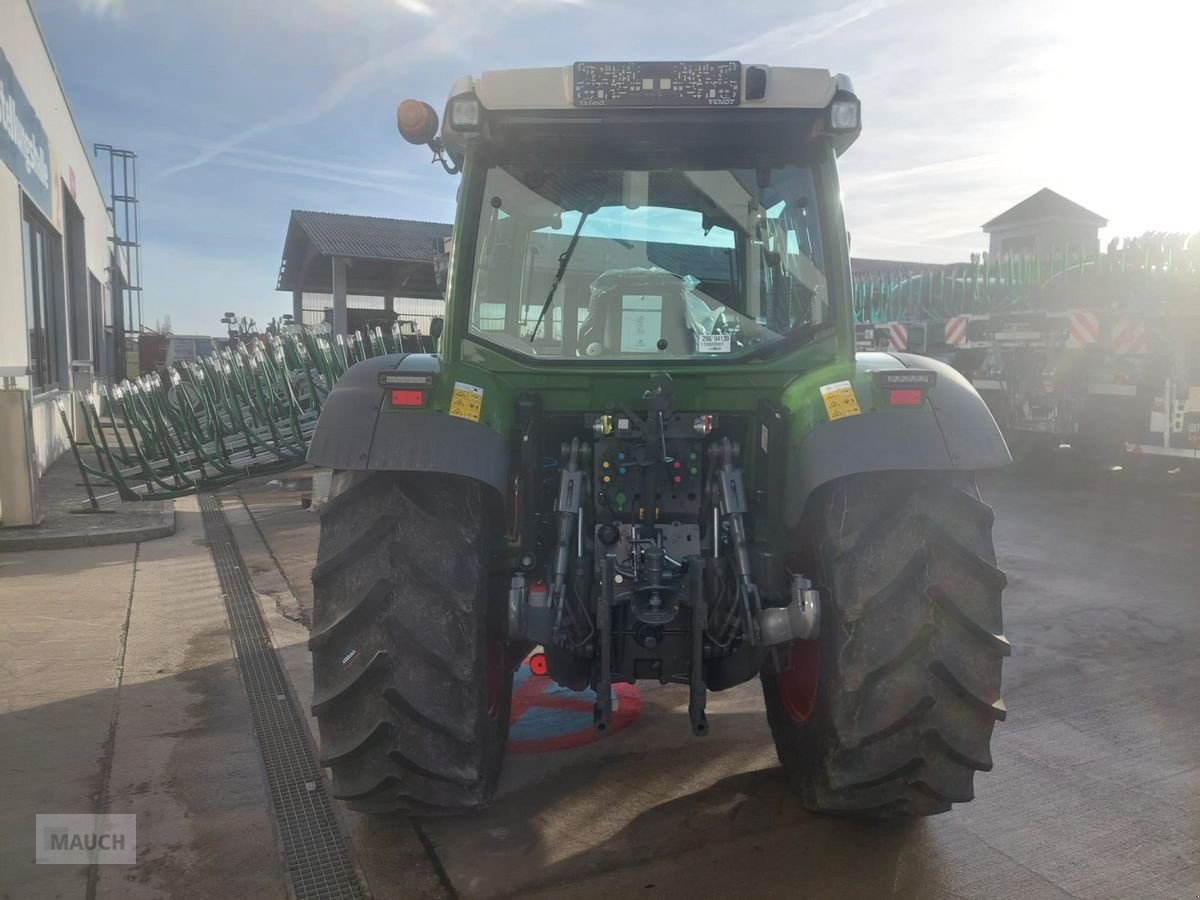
[908,703]
[401,611]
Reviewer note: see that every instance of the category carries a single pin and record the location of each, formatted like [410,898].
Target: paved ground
[69,519]
[118,691]
[1096,790]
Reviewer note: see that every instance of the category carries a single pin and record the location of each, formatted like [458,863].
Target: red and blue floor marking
[547,716]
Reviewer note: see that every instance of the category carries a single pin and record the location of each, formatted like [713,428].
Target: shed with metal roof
[358,256]
[1043,223]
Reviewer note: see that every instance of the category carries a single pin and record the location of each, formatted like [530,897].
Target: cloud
[358,8]
[304,166]
[864,244]
[776,43]
[388,65]
[416,7]
[451,31]
[936,170]
[374,180]
[103,8]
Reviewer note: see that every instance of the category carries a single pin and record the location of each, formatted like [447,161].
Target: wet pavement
[1096,786]
[1095,791]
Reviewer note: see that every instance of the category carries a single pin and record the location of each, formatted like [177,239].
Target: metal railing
[1136,275]
[207,423]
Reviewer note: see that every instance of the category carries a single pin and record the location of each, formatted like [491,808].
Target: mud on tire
[411,690]
[910,650]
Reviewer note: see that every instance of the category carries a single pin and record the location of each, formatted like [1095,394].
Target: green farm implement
[231,415]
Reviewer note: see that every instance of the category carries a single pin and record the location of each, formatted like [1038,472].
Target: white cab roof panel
[553,88]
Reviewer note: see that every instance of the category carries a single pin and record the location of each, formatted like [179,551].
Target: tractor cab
[628,213]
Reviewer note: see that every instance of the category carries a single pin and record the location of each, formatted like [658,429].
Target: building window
[96,301]
[1021,244]
[37,242]
[80,344]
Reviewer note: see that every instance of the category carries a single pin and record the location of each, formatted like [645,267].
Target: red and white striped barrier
[956,330]
[897,336]
[1129,336]
[1083,329]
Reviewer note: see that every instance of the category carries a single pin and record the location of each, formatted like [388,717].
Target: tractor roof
[555,88]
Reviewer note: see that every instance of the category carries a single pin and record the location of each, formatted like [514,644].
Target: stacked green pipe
[236,414]
[1135,276]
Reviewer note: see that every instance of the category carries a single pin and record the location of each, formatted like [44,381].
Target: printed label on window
[713,343]
[641,323]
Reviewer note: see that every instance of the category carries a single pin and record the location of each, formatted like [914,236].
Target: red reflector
[537,664]
[904,397]
[408,398]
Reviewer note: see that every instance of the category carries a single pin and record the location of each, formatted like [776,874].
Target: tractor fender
[352,433]
[953,431]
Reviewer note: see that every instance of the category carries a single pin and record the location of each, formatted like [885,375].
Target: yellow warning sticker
[840,400]
[466,402]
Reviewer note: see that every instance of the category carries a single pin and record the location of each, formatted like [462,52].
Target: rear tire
[411,686]
[907,666]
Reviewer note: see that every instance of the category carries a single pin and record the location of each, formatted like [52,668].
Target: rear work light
[905,387]
[845,113]
[464,113]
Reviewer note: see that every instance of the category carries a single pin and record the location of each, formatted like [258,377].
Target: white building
[60,284]
[1043,224]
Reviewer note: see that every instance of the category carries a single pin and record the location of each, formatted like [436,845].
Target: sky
[242,110]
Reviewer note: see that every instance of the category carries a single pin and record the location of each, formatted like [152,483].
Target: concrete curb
[13,541]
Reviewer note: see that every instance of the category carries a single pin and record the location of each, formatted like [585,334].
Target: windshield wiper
[564,260]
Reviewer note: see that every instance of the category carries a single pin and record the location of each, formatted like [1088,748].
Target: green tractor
[646,444]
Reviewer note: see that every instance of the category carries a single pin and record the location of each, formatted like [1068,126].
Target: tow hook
[800,620]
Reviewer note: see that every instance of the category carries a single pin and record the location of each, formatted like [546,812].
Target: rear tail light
[905,387]
[406,390]
[407,398]
[905,397]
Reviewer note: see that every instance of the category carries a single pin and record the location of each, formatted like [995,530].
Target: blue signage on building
[23,144]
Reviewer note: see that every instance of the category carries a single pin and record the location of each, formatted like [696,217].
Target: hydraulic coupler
[800,620]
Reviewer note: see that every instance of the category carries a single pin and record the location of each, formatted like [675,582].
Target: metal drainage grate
[314,848]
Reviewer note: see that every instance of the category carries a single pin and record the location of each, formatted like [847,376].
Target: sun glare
[1114,112]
